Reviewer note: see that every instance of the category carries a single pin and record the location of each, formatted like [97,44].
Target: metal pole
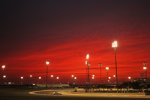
[46,75]
[116,69]
[100,65]
[107,76]
[88,76]
[146,75]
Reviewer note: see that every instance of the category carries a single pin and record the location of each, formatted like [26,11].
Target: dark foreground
[22,94]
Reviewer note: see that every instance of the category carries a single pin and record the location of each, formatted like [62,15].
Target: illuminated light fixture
[107,68]
[93,75]
[40,77]
[47,62]
[75,78]
[3,67]
[114,44]
[4,76]
[21,77]
[114,75]
[33,84]
[109,77]
[52,76]
[86,62]
[93,78]
[129,77]
[72,75]
[144,68]
[9,83]
[87,56]
[57,78]
[31,76]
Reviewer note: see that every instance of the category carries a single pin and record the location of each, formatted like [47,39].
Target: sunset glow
[69,36]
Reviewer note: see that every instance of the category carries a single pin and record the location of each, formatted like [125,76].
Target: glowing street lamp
[47,63]
[109,78]
[107,69]
[72,76]
[75,78]
[4,76]
[21,77]
[145,69]
[115,45]
[30,80]
[93,75]
[129,77]
[57,78]
[114,76]
[31,76]
[88,68]
[52,76]
[40,77]
[93,78]
[87,56]
[3,67]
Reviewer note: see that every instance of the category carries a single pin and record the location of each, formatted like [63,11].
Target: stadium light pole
[21,80]
[47,63]
[3,68]
[72,78]
[39,79]
[4,77]
[107,69]
[100,69]
[115,46]
[93,77]
[88,70]
[30,79]
[75,78]
[129,78]
[57,78]
[52,76]
[145,70]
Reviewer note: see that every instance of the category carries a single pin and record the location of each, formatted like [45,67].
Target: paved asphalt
[22,94]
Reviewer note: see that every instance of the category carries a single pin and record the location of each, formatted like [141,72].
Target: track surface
[23,94]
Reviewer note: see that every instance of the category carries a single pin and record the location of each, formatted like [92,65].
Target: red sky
[69,58]
[65,32]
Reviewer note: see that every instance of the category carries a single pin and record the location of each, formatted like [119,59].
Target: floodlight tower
[47,63]
[115,45]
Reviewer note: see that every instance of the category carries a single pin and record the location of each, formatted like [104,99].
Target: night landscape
[75,49]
